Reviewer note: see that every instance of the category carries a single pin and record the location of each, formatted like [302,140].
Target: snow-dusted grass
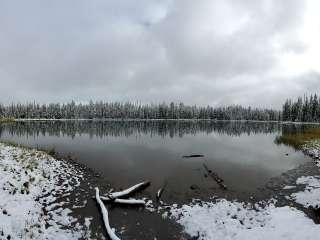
[301,139]
[30,183]
[5,120]
[310,197]
[312,149]
[225,220]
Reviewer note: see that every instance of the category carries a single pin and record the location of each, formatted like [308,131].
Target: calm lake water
[243,154]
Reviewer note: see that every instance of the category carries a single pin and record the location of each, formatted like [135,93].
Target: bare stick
[161,190]
[104,212]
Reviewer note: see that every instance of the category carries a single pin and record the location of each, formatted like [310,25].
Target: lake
[243,154]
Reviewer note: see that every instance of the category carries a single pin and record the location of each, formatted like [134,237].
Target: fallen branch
[128,191]
[123,201]
[104,212]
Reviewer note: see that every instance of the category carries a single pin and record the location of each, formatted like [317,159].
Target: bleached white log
[124,201]
[104,212]
[128,191]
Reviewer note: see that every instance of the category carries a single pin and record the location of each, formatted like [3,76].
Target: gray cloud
[202,52]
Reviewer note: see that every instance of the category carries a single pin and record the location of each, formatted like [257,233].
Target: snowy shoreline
[30,183]
[41,197]
[221,219]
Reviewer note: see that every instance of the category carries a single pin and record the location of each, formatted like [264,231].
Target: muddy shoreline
[130,222]
[139,223]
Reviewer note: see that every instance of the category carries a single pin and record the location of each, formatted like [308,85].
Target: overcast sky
[197,51]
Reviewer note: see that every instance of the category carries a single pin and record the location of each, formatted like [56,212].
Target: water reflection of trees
[296,135]
[297,128]
[136,128]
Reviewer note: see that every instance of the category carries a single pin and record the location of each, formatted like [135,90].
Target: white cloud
[200,52]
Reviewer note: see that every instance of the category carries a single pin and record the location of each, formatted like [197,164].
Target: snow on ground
[311,195]
[288,187]
[30,182]
[225,220]
[312,149]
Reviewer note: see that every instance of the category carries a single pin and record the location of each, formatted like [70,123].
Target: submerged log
[193,156]
[104,213]
[215,177]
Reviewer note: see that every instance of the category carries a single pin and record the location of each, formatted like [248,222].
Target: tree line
[119,110]
[304,109]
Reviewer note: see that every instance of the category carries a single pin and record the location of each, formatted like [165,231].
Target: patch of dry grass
[6,120]
[297,140]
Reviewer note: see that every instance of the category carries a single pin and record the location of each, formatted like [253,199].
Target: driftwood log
[127,192]
[129,201]
[105,216]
